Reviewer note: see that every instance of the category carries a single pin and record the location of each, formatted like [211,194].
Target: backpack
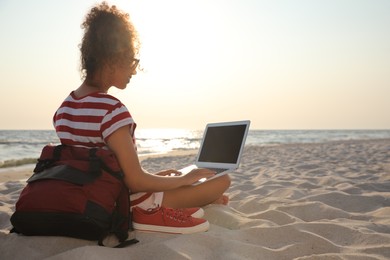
[75,192]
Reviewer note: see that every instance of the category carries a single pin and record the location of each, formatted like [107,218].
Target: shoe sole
[172,230]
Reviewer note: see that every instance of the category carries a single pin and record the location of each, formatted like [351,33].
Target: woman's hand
[197,174]
[170,172]
[136,179]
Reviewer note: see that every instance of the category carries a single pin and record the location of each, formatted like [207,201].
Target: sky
[302,64]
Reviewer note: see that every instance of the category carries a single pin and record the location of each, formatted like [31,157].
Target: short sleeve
[116,118]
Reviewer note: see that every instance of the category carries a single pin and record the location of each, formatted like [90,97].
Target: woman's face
[123,73]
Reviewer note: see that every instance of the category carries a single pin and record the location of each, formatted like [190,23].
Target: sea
[21,147]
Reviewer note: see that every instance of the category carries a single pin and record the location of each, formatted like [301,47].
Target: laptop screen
[222,144]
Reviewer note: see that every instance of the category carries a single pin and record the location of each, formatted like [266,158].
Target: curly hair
[109,38]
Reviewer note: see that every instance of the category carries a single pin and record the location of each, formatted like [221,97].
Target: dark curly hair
[109,38]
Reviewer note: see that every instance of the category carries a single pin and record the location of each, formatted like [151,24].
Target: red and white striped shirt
[88,121]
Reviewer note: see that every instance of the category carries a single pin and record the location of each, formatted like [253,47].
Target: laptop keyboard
[217,170]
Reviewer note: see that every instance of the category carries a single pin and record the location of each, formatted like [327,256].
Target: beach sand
[298,201]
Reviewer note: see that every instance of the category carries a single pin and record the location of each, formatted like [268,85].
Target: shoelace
[175,214]
[183,211]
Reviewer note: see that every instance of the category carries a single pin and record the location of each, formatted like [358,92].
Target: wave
[17,162]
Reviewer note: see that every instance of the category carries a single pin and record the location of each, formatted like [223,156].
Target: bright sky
[303,64]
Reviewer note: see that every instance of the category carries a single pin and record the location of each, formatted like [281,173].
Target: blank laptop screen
[222,144]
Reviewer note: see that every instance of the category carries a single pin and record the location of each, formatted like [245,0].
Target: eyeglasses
[134,64]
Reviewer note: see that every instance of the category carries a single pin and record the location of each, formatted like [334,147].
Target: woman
[89,117]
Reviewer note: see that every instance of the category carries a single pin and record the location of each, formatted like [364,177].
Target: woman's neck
[99,81]
[87,88]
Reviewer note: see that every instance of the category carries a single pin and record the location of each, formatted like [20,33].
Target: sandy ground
[299,201]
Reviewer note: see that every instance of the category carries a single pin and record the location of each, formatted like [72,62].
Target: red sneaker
[167,220]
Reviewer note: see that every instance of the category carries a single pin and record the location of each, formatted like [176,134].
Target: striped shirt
[89,121]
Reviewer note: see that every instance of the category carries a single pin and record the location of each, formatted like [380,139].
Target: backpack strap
[94,163]
[121,244]
[57,152]
[43,164]
[122,235]
[121,224]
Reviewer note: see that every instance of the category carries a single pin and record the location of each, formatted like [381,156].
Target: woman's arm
[136,178]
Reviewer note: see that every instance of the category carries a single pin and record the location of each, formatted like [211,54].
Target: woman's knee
[224,181]
[228,181]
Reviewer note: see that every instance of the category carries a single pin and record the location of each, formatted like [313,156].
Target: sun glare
[172,40]
[165,140]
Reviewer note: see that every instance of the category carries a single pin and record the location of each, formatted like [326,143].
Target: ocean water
[19,147]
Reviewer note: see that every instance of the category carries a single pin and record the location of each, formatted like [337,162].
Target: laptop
[221,148]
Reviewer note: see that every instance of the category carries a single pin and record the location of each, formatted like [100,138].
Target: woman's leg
[199,195]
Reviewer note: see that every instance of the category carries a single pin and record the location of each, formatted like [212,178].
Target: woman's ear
[111,67]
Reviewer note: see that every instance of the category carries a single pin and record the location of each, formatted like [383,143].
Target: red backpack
[75,192]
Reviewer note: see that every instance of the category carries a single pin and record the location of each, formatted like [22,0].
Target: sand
[298,201]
